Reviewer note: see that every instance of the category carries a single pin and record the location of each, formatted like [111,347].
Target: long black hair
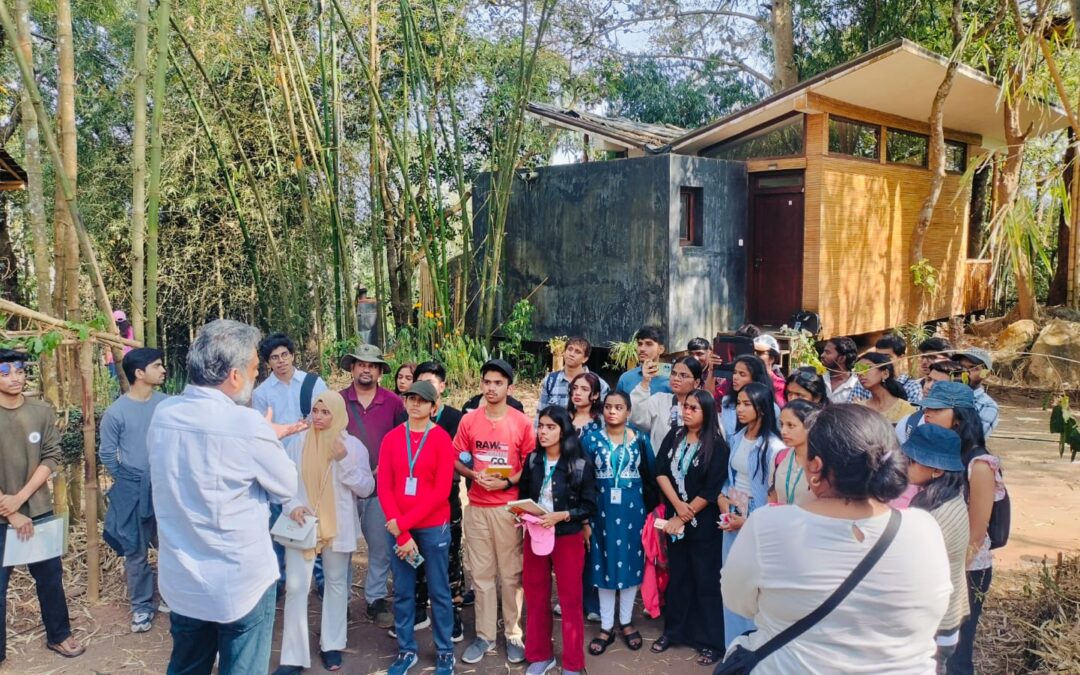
[968,424]
[596,406]
[569,443]
[884,363]
[808,378]
[758,373]
[710,439]
[937,491]
[761,397]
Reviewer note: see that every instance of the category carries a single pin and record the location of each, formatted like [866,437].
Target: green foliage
[622,355]
[35,346]
[803,348]
[925,276]
[515,331]
[913,334]
[1064,425]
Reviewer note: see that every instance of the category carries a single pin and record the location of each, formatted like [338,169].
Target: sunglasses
[12,367]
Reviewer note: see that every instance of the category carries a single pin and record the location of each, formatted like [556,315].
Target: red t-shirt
[434,473]
[502,442]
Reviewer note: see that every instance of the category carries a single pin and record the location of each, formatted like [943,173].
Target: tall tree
[66,237]
[154,190]
[138,163]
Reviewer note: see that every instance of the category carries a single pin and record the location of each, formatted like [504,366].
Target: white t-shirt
[741,463]
[786,561]
[547,500]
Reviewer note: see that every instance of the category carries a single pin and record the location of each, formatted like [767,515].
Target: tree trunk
[68,142]
[9,264]
[1007,184]
[782,28]
[138,162]
[1059,285]
[154,189]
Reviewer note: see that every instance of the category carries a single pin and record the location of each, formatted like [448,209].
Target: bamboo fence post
[90,474]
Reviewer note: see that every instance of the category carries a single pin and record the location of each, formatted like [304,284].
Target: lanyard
[689,451]
[439,414]
[625,457]
[789,489]
[408,446]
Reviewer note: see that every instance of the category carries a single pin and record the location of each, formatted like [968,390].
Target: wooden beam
[25,312]
[779,164]
[837,107]
[11,185]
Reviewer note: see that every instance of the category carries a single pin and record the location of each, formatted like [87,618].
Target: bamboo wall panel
[867,215]
[816,142]
[977,293]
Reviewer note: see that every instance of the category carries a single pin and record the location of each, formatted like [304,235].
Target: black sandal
[661,645]
[708,657]
[600,644]
[632,639]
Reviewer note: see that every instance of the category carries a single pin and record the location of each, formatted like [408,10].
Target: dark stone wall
[599,245]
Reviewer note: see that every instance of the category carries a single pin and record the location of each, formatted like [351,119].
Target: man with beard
[839,358]
[650,346]
[216,464]
[373,411]
[129,521]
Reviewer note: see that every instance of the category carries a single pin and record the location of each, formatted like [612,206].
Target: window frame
[876,159]
[691,215]
[753,130]
[964,147]
[889,131]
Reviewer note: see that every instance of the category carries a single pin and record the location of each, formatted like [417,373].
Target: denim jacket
[759,484]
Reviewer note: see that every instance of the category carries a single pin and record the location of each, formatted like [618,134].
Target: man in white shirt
[285,395]
[216,465]
[839,358]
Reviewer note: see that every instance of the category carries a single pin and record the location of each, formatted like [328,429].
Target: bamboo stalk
[9,307]
[101,296]
[138,162]
[90,476]
[161,51]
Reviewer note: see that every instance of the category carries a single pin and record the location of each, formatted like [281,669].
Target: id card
[410,486]
[616,495]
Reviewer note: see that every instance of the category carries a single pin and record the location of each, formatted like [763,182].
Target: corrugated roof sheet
[630,132]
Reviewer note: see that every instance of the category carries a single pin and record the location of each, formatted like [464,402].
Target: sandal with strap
[708,657]
[600,644]
[69,648]
[661,645]
[633,638]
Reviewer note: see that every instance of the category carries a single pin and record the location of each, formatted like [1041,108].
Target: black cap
[501,366]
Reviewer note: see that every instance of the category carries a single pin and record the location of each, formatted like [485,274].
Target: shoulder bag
[742,661]
[304,537]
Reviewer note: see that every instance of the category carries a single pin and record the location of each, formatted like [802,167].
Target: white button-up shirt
[284,397]
[844,392]
[214,466]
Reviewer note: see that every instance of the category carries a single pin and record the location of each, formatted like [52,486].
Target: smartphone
[665,370]
[414,558]
[660,523]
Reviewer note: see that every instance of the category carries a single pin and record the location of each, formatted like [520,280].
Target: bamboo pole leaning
[153,191]
[101,295]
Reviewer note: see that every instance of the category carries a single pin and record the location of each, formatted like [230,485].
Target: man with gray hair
[216,464]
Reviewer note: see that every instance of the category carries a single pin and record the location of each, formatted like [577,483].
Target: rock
[1060,339]
[1017,337]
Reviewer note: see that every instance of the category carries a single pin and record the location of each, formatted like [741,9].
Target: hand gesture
[285,430]
[490,482]
[300,514]
[649,370]
[24,527]
[685,513]
[550,520]
[10,504]
[339,451]
[407,549]
[674,527]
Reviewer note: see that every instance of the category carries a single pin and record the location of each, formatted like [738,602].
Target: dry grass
[1031,622]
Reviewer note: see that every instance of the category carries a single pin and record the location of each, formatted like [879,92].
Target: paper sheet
[49,541]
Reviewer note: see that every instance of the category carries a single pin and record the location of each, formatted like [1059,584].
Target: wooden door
[776,247]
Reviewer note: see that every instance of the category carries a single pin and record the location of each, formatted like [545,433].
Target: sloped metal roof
[616,130]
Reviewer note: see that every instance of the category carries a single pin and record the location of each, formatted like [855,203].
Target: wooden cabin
[806,200]
[12,176]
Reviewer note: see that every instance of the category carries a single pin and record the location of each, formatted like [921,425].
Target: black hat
[501,366]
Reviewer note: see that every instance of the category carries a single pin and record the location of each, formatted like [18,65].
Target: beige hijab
[315,468]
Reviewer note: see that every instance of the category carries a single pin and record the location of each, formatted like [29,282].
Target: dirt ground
[1045,492]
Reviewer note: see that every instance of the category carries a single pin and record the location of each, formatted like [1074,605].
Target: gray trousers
[140,582]
[373,525]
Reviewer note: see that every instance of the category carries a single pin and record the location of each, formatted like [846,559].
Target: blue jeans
[734,624]
[434,545]
[243,645]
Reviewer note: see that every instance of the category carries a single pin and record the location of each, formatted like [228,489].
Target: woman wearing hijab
[333,471]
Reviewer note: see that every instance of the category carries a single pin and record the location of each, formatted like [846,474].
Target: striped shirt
[952,517]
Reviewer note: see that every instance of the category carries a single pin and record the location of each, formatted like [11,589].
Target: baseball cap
[501,366]
[978,355]
[424,390]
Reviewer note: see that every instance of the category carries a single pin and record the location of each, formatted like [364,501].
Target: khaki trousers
[493,547]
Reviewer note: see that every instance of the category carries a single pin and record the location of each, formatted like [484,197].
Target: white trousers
[607,606]
[295,650]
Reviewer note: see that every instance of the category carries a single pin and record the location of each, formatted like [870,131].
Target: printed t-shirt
[502,442]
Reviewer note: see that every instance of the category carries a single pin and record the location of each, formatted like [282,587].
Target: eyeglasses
[16,367]
[675,375]
[278,358]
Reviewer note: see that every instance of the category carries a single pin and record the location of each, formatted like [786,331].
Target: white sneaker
[162,608]
[141,622]
[540,667]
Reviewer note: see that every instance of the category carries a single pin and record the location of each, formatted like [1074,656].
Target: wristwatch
[509,483]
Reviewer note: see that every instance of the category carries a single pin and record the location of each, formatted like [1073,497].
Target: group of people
[732,498]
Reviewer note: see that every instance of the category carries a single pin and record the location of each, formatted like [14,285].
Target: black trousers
[49,582]
[962,661]
[694,609]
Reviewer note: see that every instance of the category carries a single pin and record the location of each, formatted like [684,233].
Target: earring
[815,480]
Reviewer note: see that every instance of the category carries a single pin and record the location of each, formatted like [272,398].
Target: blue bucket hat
[949,395]
[935,447]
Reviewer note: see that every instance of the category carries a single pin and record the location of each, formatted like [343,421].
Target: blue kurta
[616,554]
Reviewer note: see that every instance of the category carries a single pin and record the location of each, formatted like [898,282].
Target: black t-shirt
[449,418]
[474,403]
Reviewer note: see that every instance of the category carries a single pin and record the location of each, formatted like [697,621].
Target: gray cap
[424,390]
[365,353]
[975,354]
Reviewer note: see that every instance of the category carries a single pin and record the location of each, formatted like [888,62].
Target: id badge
[616,495]
[410,486]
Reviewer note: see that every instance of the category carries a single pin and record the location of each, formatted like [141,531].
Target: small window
[955,157]
[904,147]
[855,139]
[783,138]
[690,216]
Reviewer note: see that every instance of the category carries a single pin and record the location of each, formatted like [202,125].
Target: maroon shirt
[372,423]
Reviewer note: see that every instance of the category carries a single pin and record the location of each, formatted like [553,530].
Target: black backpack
[306,389]
[1000,514]
[808,321]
